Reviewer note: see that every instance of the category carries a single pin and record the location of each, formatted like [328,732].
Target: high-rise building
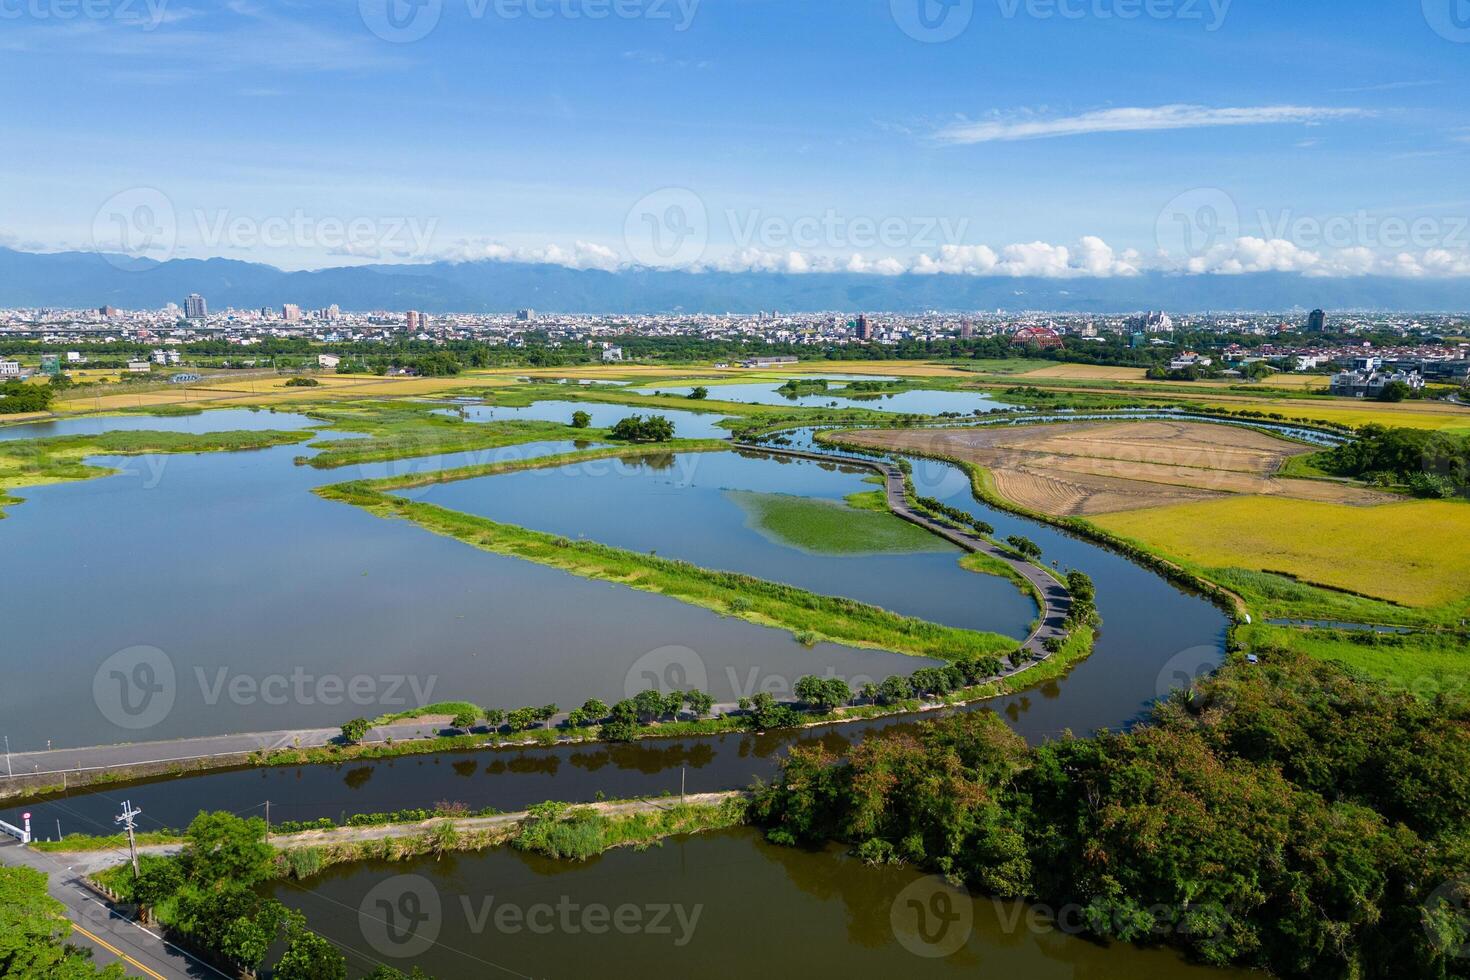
[525,315]
[290,312]
[864,327]
[195,308]
[1317,321]
[416,321]
[107,310]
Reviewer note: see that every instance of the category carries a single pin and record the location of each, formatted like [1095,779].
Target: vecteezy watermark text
[405,21]
[937,21]
[143,222]
[147,14]
[137,688]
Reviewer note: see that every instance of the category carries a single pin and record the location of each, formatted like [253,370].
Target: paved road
[111,937]
[1056,600]
[59,761]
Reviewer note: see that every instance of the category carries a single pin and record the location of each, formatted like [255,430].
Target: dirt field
[1105,467]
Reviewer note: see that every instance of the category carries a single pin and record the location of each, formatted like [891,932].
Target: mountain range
[89,279]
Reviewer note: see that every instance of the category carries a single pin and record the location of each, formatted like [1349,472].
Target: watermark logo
[1197,222]
[400,21]
[401,917]
[134,224]
[1446,917]
[1186,668]
[313,690]
[668,227]
[932,21]
[147,14]
[666,670]
[932,918]
[135,688]
[1450,19]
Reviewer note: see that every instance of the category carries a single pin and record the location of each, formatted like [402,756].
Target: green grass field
[830,527]
[1424,664]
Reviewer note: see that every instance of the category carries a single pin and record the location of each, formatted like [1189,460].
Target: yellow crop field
[1409,553]
[1409,415]
[1086,372]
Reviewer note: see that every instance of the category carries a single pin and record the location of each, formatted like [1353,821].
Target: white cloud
[582,255]
[1089,258]
[1134,120]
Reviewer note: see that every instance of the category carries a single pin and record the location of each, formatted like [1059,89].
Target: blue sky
[1075,137]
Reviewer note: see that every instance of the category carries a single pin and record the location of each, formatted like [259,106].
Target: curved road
[1056,600]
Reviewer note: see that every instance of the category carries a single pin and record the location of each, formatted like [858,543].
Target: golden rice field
[1411,553]
[1086,372]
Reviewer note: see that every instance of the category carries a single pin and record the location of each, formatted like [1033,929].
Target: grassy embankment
[556,830]
[34,462]
[809,616]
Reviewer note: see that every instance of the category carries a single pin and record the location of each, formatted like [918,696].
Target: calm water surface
[217,420]
[714,905]
[918,402]
[244,580]
[687,425]
[687,506]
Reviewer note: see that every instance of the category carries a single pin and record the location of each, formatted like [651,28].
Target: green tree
[823,694]
[699,702]
[581,420]
[522,719]
[465,719]
[310,957]
[1395,391]
[699,393]
[494,717]
[894,689]
[34,930]
[636,428]
[355,730]
[1024,546]
[221,847]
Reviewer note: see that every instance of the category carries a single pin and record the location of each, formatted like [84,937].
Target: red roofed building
[1040,336]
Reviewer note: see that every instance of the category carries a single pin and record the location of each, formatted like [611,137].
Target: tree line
[1286,815]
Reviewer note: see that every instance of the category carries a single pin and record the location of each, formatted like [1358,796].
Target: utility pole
[682,771]
[267,818]
[8,773]
[126,819]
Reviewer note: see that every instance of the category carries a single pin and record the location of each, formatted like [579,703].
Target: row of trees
[18,396]
[1286,816]
[1431,464]
[624,720]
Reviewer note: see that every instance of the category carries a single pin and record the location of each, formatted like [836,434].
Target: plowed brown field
[1080,468]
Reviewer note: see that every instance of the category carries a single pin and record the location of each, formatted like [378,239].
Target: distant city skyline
[1215,137]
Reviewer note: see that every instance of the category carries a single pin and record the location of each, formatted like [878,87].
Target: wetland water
[248,595]
[694,906]
[687,425]
[1155,637]
[265,601]
[915,401]
[700,507]
[218,420]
